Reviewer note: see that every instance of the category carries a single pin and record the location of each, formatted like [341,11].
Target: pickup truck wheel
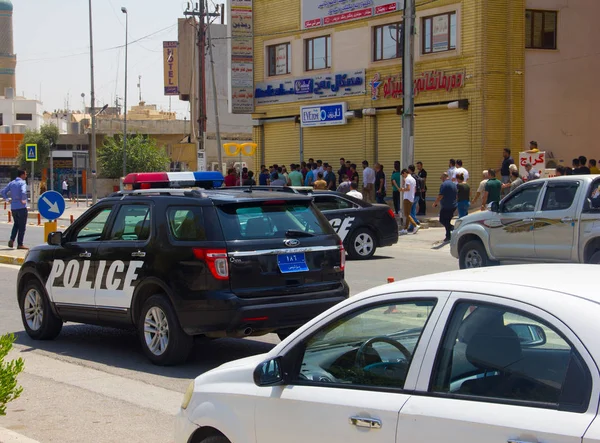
[163,340]
[595,259]
[473,255]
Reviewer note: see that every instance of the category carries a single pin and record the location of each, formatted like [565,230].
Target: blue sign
[31,153]
[51,205]
[325,115]
[289,263]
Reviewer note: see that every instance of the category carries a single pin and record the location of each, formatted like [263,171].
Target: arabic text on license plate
[289,263]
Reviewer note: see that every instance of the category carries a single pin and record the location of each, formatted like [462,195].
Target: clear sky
[51,39]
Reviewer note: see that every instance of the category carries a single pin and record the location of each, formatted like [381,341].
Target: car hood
[233,371]
[477,217]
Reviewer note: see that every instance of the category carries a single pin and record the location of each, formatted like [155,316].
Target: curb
[10,260]
[8,436]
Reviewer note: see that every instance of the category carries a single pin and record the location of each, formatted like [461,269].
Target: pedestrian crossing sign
[31,153]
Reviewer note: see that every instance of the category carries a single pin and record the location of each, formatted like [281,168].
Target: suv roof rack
[161,191]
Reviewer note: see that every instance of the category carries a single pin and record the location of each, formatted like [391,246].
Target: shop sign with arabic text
[317,13]
[426,82]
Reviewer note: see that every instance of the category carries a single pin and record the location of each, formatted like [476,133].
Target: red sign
[361,13]
[312,23]
[383,9]
[427,81]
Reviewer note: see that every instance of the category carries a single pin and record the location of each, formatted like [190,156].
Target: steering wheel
[360,355]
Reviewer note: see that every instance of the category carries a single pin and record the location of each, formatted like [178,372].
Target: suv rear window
[270,219]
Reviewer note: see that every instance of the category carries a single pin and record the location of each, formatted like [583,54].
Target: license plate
[289,263]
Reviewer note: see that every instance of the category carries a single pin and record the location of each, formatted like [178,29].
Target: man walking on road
[18,206]
[505,168]
[447,199]
[368,182]
[410,190]
[493,191]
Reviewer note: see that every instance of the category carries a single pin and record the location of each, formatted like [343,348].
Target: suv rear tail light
[217,262]
[342,257]
[392,214]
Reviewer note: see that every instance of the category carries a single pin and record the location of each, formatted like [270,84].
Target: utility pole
[215,97]
[200,12]
[93,154]
[408,97]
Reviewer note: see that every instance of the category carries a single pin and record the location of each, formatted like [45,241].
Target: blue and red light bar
[153,180]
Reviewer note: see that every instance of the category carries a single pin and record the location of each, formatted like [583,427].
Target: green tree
[9,390]
[143,155]
[44,138]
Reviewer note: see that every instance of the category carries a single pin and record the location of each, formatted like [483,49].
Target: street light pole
[408,116]
[93,154]
[124,11]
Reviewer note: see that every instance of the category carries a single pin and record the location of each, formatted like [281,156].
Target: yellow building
[310,54]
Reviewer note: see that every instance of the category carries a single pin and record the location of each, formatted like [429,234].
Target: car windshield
[271,219]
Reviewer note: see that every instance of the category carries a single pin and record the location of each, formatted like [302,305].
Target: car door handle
[528,220]
[567,220]
[85,254]
[138,254]
[517,441]
[366,422]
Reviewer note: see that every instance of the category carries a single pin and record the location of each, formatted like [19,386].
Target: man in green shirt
[295,176]
[493,190]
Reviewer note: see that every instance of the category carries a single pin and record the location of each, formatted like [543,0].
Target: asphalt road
[96,382]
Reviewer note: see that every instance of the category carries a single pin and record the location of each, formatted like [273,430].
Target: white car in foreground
[502,354]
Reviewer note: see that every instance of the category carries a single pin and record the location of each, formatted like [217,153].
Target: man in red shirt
[231,178]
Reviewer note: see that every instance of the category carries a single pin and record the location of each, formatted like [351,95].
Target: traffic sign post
[31,155]
[51,206]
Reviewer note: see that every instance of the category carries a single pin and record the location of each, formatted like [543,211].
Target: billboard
[170,61]
[317,13]
[241,57]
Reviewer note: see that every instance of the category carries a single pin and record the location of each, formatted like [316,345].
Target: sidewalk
[71,209]
[8,436]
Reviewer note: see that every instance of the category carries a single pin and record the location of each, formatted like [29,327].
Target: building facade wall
[488,57]
[562,97]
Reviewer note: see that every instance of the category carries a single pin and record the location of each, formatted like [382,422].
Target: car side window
[332,203]
[372,347]
[493,352]
[186,224]
[523,200]
[560,196]
[92,230]
[132,224]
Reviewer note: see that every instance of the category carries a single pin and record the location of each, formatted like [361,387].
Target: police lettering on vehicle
[342,227]
[75,274]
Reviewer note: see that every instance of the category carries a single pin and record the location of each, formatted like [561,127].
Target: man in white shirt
[481,188]
[65,188]
[409,189]
[461,170]
[452,170]
[353,192]
[368,182]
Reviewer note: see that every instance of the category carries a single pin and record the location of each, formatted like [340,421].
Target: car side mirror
[495,207]
[529,335]
[55,238]
[269,373]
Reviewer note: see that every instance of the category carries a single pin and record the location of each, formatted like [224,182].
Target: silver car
[546,220]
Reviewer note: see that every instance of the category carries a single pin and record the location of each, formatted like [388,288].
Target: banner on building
[241,57]
[170,68]
[316,13]
[537,160]
[440,33]
[316,87]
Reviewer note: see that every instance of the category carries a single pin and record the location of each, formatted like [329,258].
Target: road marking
[120,388]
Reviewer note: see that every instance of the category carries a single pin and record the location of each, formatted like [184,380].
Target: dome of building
[6,5]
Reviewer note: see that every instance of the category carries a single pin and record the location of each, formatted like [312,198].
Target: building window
[387,42]
[280,60]
[1,119]
[439,33]
[24,117]
[318,53]
[540,29]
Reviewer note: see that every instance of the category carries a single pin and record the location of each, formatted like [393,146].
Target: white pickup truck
[546,220]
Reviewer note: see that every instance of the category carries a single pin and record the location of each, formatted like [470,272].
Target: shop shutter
[389,140]
[282,143]
[329,143]
[441,135]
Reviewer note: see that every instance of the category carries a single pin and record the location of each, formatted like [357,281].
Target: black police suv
[180,263]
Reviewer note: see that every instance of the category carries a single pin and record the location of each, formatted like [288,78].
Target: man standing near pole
[18,206]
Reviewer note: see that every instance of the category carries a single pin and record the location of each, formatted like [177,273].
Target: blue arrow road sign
[31,153]
[51,205]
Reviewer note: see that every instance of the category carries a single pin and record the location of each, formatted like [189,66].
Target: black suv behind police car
[175,264]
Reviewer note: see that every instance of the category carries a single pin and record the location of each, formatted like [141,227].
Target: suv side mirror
[529,335]
[55,238]
[495,207]
[269,373]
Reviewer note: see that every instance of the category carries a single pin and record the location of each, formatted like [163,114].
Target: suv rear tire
[595,258]
[39,321]
[163,340]
[473,255]
[362,244]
